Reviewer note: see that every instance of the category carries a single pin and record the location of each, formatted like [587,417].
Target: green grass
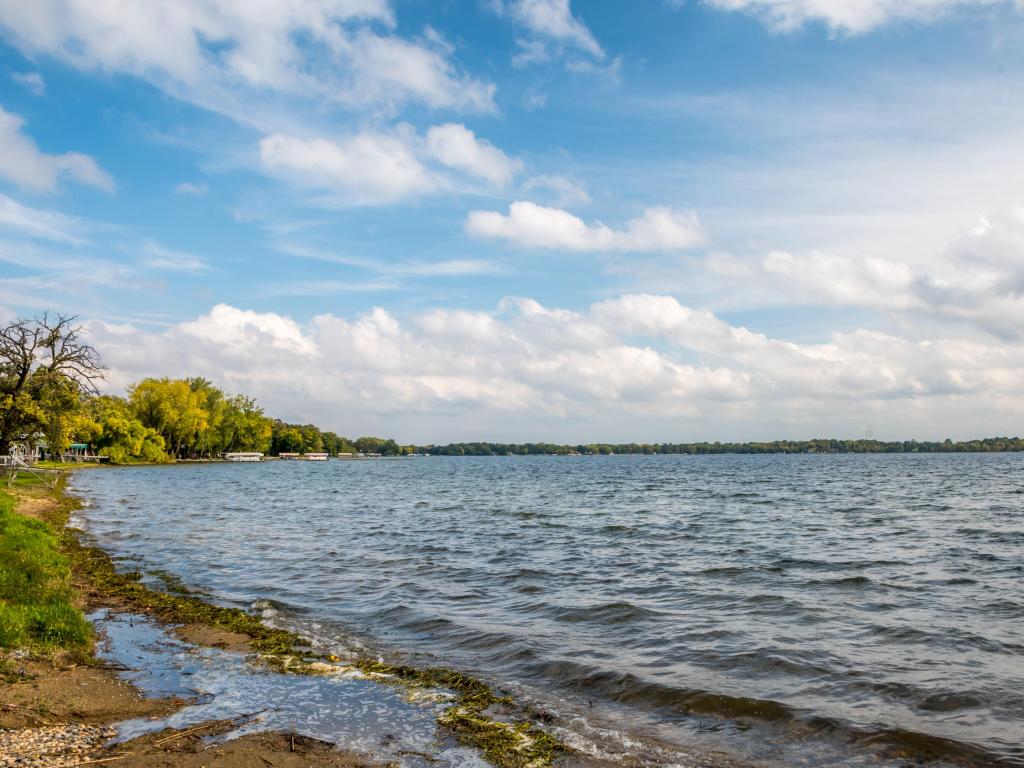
[36,609]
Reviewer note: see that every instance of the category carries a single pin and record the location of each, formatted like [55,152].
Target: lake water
[780,610]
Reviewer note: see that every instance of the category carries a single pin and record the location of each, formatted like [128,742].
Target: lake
[846,610]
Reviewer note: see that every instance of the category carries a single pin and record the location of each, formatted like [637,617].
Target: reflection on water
[357,714]
[838,610]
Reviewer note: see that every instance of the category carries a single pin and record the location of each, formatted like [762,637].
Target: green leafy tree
[115,432]
[173,409]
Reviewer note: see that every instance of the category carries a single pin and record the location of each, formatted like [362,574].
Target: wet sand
[58,713]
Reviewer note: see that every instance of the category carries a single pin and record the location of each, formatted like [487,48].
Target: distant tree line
[824,445]
[307,438]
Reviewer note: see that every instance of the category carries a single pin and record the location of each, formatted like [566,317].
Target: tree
[116,433]
[173,409]
[45,368]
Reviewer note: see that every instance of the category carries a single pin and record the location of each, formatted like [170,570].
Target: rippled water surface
[789,610]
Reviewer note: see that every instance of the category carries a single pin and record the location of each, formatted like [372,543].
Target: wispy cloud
[550,29]
[157,256]
[443,268]
[197,189]
[32,81]
[39,223]
[850,17]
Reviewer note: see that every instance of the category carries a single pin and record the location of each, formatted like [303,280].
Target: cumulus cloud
[204,49]
[385,166]
[371,167]
[538,226]
[846,16]
[979,280]
[622,366]
[456,146]
[22,162]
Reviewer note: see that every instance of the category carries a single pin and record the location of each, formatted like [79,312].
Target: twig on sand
[186,732]
[235,721]
[104,759]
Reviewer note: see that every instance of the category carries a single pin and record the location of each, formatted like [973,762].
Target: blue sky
[525,219]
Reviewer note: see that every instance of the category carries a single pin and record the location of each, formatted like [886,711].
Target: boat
[242,456]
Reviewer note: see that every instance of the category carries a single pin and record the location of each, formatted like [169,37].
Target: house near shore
[242,456]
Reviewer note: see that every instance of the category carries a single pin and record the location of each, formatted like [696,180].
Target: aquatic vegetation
[519,744]
[97,569]
[36,598]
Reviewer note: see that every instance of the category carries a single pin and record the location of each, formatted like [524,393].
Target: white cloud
[849,16]
[635,367]
[369,167]
[246,332]
[33,81]
[443,268]
[553,20]
[22,162]
[375,167]
[550,31]
[457,147]
[538,226]
[388,69]
[979,281]
[205,50]
[198,189]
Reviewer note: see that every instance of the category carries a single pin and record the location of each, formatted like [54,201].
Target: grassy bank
[36,597]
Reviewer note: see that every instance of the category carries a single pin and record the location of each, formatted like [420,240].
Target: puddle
[356,714]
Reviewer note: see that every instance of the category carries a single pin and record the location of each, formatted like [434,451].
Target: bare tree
[37,355]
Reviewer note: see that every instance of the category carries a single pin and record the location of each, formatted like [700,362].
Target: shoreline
[478,718]
[493,725]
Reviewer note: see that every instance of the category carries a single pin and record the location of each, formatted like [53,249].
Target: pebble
[57,746]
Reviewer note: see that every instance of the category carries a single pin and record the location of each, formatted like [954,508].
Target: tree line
[824,445]
[49,387]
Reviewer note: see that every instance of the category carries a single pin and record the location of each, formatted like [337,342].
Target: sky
[526,220]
